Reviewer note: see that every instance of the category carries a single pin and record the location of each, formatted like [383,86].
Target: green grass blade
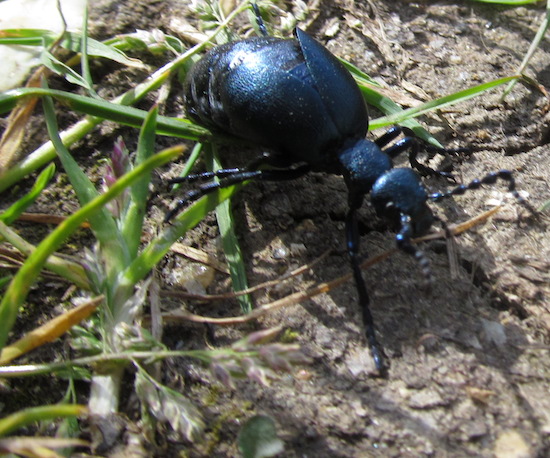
[70,41]
[33,414]
[63,267]
[231,247]
[104,226]
[360,76]
[195,153]
[106,110]
[40,157]
[15,210]
[26,275]
[45,154]
[541,33]
[183,222]
[85,64]
[385,104]
[132,222]
[439,103]
[388,106]
[59,68]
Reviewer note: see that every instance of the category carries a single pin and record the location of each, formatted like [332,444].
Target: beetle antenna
[488,179]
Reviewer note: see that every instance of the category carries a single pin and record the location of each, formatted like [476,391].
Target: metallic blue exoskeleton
[294,98]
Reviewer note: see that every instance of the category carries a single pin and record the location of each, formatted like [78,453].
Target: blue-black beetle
[293,97]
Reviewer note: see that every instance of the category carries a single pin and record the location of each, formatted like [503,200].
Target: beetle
[294,98]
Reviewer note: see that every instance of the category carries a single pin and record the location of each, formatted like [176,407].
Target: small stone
[510,444]
[425,399]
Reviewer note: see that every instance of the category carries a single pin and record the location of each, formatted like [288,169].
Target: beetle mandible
[293,97]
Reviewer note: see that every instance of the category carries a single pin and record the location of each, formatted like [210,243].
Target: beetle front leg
[412,144]
[352,240]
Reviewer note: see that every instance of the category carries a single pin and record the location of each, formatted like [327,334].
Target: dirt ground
[469,361]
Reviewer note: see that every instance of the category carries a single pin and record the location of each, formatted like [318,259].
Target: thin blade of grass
[103,224]
[160,245]
[106,110]
[33,414]
[195,153]
[56,66]
[461,96]
[85,64]
[388,106]
[46,153]
[63,267]
[132,221]
[70,41]
[541,33]
[231,247]
[15,210]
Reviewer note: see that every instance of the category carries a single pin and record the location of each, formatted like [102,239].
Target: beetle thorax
[363,162]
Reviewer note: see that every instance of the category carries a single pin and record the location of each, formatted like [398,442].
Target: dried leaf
[37,446]
[49,331]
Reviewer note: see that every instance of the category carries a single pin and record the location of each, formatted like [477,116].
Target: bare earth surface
[470,366]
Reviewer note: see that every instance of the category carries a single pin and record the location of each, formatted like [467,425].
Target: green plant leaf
[105,110]
[231,247]
[114,248]
[399,116]
[258,438]
[33,414]
[15,210]
[58,67]
[132,222]
[186,220]
[70,41]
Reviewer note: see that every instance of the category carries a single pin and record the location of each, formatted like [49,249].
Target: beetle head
[399,192]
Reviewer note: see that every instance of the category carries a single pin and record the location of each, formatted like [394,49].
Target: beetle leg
[412,144]
[257,163]
[352,240]
[222,173]
[207,188]
[259,20]
[235,178]
[403,240]
[391,134]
